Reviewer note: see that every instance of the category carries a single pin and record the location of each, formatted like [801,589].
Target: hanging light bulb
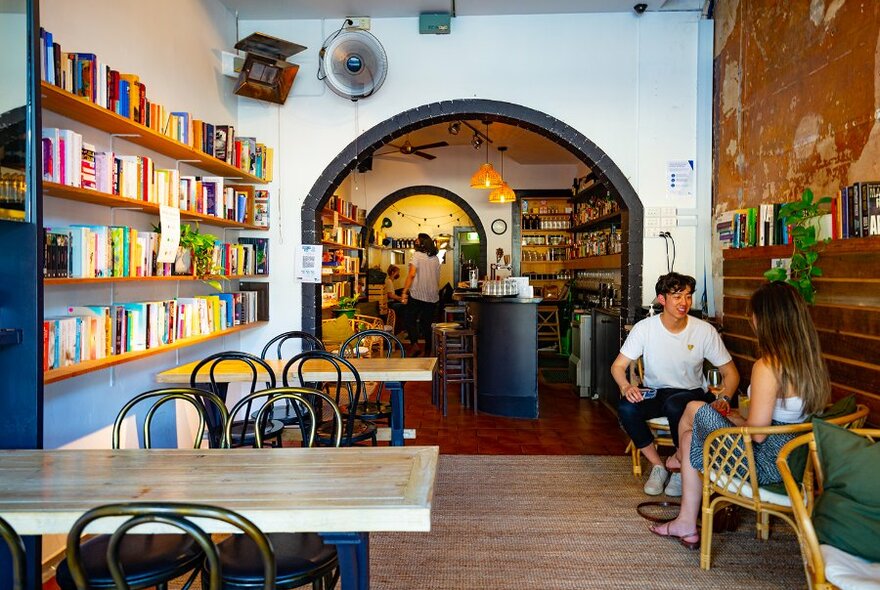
[502,194]
[486,177]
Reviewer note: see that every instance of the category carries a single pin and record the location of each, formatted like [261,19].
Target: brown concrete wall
[796,98]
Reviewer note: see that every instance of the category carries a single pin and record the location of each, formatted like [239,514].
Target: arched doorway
[553,129]
[410,191]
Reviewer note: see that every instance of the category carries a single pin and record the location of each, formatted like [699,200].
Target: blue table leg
[395,388]
[353,552]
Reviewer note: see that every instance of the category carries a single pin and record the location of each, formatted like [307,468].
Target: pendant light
[502,194]
[486,177]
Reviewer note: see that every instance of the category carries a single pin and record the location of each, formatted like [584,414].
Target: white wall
[627,83]
[13,70]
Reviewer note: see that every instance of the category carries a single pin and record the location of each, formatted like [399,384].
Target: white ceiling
[309,9]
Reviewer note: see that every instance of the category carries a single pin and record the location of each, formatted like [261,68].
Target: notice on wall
[307,263]
[679,179]
[169,221]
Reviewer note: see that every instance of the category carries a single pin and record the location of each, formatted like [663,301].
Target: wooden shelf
[840,246]
[559,263]
[328,214]
[595,222]
[84,195]
[92,280]
[595,262]
[338,245]
[66,104]
[97,365]
[594,190]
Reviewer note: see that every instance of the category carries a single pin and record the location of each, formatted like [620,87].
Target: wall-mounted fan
[416,150]
[352,63]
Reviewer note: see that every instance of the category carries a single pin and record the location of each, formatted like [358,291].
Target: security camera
[640,8]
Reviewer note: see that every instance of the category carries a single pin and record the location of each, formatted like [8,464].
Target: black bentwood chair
[390,346]
[148,560]
[301,558]
[306,341]
[17,552]
[176,515]
[343,392]
[242,429]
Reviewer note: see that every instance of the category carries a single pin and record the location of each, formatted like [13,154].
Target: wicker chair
[659,426]
[803,499]
[722,458]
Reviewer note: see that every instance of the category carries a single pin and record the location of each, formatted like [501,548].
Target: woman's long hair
[424,243]
[788,342]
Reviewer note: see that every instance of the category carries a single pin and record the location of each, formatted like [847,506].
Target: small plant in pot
[195,254]
[346,306]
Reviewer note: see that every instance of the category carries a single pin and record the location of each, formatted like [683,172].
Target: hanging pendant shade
[502,194]
[486,178]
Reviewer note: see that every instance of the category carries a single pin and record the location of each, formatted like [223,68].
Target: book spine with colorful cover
[873,210]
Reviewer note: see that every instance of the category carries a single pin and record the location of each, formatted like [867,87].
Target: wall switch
[667,212]
[668,222]
[652,211]
[360,22]
[652,222]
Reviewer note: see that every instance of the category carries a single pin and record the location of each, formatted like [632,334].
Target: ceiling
[310,9]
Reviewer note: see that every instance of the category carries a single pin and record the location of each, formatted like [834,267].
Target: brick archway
[543,124]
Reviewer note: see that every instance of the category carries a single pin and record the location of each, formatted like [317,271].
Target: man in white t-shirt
[672,346]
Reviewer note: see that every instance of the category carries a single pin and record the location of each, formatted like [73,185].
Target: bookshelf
[100,119]
[84,367]
[342,230]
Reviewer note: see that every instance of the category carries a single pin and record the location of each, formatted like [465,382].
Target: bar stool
[456,350]
[548,326]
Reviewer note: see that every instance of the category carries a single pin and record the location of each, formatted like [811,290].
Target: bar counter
[507,353]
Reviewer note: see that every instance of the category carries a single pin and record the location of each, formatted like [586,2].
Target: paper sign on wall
[307,263]
[679,179]
[169,221]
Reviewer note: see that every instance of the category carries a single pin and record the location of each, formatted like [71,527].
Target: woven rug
[564,522]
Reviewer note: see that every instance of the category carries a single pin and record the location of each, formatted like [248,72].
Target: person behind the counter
[395,301]
[672,346]
[421,293]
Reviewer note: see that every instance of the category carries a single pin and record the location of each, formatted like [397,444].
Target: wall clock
[499,226]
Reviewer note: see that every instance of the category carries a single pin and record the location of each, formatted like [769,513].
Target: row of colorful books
[85,75]
[98,331]
[347,209]
[856,210]
[93,251]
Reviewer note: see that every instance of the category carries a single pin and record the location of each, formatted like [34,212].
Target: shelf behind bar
[84,367]
[608,261]
[585,226]
[87,280]
[69,105]
[85,195]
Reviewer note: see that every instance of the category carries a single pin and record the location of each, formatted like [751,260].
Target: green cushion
[847,514]
[337,330]
[842,407]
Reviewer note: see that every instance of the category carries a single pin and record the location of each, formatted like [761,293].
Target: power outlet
[652,222]
[652,232]
[652,211]
[667,212]
[360,22]
[668,222]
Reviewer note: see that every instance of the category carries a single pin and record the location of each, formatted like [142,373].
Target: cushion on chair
[336,330]
[847,514]
[297,556]
[849,572]
[148,560]
[736,486]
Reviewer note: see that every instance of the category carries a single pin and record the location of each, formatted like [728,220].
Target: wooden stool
[456,351]
[548,326]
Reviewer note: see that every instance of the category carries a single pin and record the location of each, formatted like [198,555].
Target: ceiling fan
[416,150]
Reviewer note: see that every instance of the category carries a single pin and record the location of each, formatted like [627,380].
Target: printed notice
[169,221]
[308,263]
[679,179]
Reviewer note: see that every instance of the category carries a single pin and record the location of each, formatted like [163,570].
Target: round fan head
[354,64]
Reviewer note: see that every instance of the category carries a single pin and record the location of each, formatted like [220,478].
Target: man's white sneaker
[656,481]
[673,486]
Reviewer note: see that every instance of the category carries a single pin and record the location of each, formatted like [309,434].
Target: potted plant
[346,306]
[195,254]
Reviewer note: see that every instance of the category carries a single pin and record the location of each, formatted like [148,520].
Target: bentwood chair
[826,567]
[176,515]
[375,408]
[242,429]
[17,552]
[306,341]
[730,476]
[302,558]
[344,392]
[148,560]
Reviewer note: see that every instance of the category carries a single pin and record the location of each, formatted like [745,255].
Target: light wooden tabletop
[281,490]
[370,369]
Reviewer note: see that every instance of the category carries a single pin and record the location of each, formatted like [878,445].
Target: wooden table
[394,372]
[344,494]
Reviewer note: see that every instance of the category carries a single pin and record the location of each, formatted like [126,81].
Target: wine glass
[715,381]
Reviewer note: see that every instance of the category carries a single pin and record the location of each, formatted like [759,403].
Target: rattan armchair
[730,477]
[803,498]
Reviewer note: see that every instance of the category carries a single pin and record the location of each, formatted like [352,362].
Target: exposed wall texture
[796,98]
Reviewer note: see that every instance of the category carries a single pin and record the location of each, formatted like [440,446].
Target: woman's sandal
[683,539]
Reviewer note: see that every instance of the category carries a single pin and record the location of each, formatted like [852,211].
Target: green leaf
[775,274]
[797,259]
[823,200]
[805,282]
[215,284]
[811,256]
[807,196]
[816,271]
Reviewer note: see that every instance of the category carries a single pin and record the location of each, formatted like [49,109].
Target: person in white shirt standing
[673,346]
[421,292]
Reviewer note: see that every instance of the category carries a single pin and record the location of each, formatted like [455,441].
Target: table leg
[353,552]
[395,389]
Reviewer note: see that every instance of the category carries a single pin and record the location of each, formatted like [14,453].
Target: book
[261,208]
[873,210]
[261,253]
[262,303]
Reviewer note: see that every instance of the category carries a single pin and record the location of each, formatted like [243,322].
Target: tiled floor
[567,425]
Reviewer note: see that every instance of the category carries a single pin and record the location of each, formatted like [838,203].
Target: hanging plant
[801,216]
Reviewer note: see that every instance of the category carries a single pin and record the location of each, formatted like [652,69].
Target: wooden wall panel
[846,313]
